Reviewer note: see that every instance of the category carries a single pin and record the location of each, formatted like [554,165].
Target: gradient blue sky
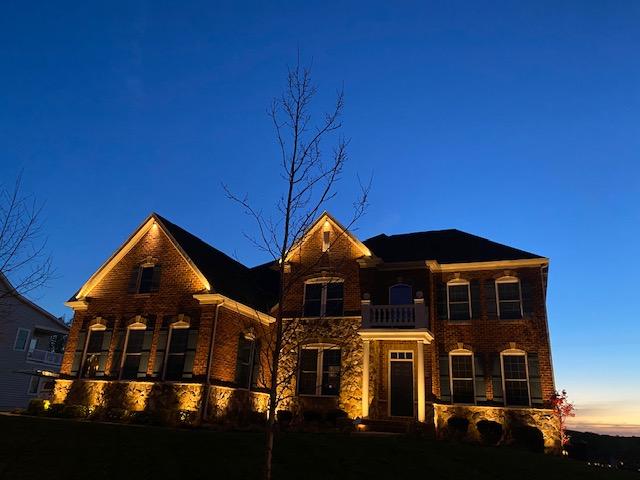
[517,121]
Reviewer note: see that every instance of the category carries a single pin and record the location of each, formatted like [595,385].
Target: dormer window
[509,298]
[324,297]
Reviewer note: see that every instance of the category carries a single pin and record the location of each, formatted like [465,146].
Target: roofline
[17,295]
[129,243]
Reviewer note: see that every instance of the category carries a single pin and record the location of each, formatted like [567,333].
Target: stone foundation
[508,418]
[158,396]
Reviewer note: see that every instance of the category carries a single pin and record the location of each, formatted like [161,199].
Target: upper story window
[459,300]
[515,378]
[462,376]
[400,294]
[22,336]
[145,278]
[326,236]
[319,370]
[324,297]
[509,298]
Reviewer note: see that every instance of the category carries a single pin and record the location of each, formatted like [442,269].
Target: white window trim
[26,341]
[413,370]
[96,327]
[141,267]
[400,285]
[252,355]
[459,282]
[180,324]
[321,347]
[509,279]
[326,236]
[323,296]
[467,353]
[514,352]
[137,325]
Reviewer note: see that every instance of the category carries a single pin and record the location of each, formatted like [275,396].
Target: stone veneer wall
[339,331]
[510,418]
[156,396]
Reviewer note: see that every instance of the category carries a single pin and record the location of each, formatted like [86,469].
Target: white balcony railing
[394,316]
[44,356]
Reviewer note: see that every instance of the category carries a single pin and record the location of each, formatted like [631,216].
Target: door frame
[413,380]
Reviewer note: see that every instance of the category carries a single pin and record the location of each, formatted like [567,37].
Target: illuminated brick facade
[378,314]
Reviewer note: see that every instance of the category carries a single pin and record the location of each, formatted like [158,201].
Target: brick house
[424,326]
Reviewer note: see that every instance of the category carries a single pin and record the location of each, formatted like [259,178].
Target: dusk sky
[515,121]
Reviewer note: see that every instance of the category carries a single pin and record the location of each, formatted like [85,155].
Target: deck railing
[44,356]
[394,316]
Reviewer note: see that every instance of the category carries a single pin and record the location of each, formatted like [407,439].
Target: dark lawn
[33,448]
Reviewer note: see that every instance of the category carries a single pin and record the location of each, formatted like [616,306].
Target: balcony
[44,356]
[411,316]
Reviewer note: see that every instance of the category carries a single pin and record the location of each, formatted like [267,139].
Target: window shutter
[526,288]
[474,286]
[102,363]
[535,388]
[133,280]
[441,299]
[490,298]
[445,386]
[117,351]
[480,386]
[496,379]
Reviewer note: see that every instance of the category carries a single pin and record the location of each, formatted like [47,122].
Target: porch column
[365,379]
[421,393]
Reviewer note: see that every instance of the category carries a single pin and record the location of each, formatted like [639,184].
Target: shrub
[284,417]
[37,406]
[332,416]
[75,411]
[312,416]
[55,410]
[116,414]
[529,438]
[457,427]
[490,432]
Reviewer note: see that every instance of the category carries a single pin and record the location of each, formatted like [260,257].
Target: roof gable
[327,217]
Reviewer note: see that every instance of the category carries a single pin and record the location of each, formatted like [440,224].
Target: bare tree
[23,256]
[309,178]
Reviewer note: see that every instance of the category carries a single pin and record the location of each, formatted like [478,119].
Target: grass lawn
[34,448]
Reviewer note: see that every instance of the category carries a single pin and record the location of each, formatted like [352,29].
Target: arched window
[515,377]
[459,299]
[319,370]
[509,298]
[400,294]
[462,375]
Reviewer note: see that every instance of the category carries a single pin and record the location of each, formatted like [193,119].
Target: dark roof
[444,246]
[225,275]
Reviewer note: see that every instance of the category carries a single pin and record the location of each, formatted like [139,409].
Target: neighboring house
[424,326]
[29,338]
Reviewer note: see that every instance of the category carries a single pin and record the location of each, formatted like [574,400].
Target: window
[247,362]
[319,370]
[95,353]
[180,354]
[458,295]
[516,379]
[34,383]
[324,298]
[509,298]
[145,278]
[133,365]
[462,389]
[21,339]
[400,294]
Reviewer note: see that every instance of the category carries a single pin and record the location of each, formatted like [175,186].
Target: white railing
[394,316]
[44,356]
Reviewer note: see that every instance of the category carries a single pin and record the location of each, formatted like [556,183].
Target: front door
[401,384]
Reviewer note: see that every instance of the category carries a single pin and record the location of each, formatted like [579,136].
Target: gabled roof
[218,272]
[327,217]
[443,246]
[21,298]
